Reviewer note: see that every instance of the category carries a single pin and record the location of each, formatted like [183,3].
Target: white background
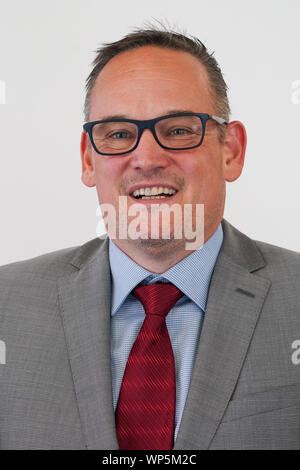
[46,48]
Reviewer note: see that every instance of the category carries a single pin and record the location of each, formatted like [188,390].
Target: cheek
[107,175]
[205,175]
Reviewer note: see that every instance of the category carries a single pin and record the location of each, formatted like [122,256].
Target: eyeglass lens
[174,133]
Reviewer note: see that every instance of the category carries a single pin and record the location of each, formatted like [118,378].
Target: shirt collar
[191,275]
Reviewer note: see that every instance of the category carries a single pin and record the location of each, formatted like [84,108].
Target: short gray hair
[169,39]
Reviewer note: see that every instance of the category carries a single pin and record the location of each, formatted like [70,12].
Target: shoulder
[278,265]
[47,265]
[38,276]
[279,261]
[54,264]
[282,268]
[29,288]
[256,254]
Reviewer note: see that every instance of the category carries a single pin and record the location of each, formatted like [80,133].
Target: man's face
[146,83]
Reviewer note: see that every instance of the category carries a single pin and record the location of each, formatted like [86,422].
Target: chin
[158,244]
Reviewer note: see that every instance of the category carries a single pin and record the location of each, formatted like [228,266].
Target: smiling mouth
[155,192]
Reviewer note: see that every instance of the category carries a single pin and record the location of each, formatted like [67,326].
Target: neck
[157,256]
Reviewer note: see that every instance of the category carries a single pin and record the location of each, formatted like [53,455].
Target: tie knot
[157,299]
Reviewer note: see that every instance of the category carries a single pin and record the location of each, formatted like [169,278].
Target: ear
[88,171]
[234,148]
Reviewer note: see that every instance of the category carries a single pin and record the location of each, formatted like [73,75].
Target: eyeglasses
[180,131]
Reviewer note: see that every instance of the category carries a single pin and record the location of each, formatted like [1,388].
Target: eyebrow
[124,116]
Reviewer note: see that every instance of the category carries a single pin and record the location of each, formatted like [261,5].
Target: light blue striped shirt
[184,321]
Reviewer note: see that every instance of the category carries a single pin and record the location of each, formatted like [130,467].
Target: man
[91,362]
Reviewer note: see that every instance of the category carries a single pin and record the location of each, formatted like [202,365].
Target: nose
[149,154]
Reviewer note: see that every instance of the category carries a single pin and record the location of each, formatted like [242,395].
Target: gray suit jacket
[55,385]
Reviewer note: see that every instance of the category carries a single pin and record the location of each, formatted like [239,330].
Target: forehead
[145,81]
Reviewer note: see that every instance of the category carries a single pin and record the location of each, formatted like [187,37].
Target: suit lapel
[235,300]
[84,297]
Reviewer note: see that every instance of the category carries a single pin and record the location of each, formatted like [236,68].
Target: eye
[179,131]
[119,135]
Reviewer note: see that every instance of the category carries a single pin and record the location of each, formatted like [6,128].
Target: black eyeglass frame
[150,124]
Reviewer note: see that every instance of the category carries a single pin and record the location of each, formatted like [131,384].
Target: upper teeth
[154,191]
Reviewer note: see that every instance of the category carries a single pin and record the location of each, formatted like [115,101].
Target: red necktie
[146,408]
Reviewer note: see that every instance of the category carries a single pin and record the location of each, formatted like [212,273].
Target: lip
[151,185]
[164,200]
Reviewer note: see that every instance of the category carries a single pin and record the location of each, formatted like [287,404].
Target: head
[148,74]
[170,40]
